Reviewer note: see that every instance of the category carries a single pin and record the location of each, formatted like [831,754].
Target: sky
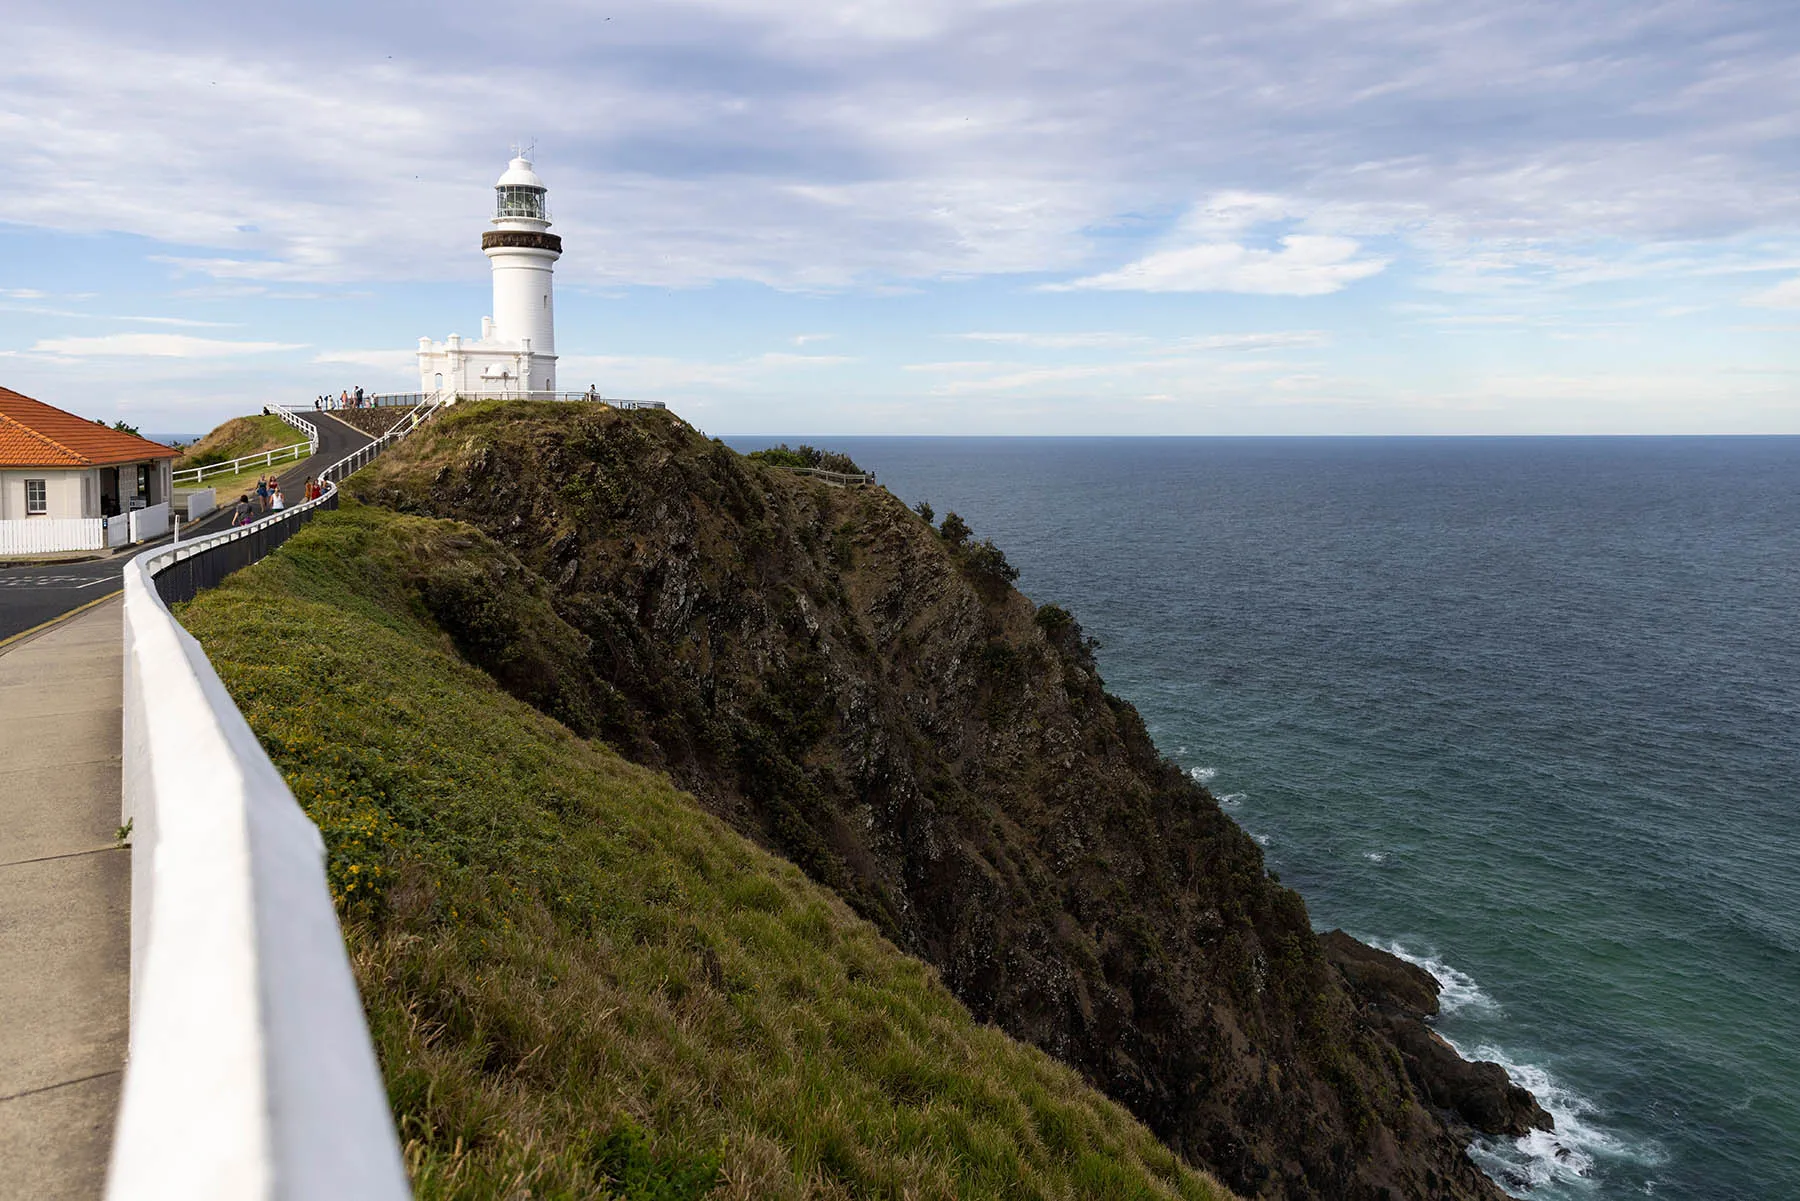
[926,216]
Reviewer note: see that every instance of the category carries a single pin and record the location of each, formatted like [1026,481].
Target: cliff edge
[873,700]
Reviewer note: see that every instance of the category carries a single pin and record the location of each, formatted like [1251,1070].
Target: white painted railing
[356,459]
[300,423]
[252,1076]
[264,458]
[51,535]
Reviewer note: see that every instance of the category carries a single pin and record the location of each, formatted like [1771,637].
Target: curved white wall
[524,300]
[252,1076]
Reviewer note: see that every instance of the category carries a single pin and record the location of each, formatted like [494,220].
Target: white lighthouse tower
[516,354]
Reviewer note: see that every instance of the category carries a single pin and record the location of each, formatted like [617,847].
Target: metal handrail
[387,399]
[841,478]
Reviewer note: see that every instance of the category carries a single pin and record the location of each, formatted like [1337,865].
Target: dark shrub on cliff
[806,457]
[986,566]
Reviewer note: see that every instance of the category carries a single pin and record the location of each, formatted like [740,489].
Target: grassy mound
[581,985]
[239,437]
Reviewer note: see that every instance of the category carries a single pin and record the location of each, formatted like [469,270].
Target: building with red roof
[57,466]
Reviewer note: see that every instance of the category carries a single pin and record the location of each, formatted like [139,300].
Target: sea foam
[1457,991]
[1203,775]
[1557,1163]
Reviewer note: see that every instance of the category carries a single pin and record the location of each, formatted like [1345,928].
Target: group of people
[349,398]
[269,499]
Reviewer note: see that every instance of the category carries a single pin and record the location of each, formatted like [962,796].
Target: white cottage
[63,476]
[516,353]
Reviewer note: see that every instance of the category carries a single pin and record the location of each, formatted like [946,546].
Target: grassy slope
[242,436]
[582,985]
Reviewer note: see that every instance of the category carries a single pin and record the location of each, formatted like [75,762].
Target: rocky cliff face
[829,673]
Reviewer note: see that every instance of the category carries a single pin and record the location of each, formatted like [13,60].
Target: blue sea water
[1526,711]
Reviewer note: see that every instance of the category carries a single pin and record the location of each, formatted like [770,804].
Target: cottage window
[37,498]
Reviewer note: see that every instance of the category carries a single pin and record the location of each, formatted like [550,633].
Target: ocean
[1524,711]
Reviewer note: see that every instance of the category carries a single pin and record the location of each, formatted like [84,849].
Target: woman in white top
[275,499]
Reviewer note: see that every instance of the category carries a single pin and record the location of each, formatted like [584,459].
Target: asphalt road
[30,596]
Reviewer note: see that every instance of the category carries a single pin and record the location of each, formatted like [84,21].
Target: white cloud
[23,294]
[389,361]
[169,346]
[1272,340]
[1067,341]
[804,339]
[1784,295]
[776,358]
[1306,265]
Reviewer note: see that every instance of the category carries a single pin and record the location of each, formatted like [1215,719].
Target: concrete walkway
[65,907]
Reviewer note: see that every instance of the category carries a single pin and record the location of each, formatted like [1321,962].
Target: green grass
[582,985]
[238,437]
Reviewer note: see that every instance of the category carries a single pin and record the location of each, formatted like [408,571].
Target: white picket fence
[49,535]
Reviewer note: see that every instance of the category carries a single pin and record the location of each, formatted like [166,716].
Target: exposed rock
[1398,996]
[826,672]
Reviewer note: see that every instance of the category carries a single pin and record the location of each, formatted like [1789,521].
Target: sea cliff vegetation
[581,984]
[529,596]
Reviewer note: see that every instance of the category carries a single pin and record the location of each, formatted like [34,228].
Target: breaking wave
[1557,1163]
[1457,991]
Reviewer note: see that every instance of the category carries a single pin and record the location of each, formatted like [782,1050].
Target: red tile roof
[34,434]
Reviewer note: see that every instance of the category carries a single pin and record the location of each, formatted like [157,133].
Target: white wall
[149,522]
[62,488]
[196,503]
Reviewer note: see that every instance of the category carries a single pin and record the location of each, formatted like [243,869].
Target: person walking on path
[262,493]
[277,502]
[240,512]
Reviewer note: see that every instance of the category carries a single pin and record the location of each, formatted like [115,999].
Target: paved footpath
[65,907]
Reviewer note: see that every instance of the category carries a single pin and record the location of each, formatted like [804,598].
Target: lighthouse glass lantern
[519,201]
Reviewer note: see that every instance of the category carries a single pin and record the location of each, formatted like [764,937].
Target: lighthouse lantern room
[516,353]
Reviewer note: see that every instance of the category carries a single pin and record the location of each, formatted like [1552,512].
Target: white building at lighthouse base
[489,366]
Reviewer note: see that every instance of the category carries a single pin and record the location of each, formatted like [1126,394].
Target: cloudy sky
[927,216]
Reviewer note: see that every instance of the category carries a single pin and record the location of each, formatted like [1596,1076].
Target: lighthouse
[516,353]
